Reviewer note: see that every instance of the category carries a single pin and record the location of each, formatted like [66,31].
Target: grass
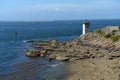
[115,38]
[100,32]
[110,35]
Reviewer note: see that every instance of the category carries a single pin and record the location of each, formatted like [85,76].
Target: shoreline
[91,56]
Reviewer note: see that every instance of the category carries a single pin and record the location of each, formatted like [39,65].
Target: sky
[38,10]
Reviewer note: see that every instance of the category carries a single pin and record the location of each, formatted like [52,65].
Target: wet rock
[43,51]
[36,53]
[62,58]
[42,55]
[32,53]
[51,57]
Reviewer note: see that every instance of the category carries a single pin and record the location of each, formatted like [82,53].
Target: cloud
[93,5]
[57,9]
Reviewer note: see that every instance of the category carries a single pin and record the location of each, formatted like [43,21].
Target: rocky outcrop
[117,33]
[90,45]
[95,40]
[36,53]
[109,29]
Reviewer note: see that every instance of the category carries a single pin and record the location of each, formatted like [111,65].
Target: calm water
[14,65]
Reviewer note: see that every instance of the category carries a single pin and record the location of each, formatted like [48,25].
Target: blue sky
[36,10]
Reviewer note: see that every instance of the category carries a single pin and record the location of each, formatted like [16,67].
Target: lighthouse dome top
[85,22]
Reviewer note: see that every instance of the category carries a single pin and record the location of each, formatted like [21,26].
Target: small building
[85,27]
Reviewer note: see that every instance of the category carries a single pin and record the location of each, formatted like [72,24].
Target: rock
[115,55]
[117,33]
[117,44]
[43,51]
[48,48]
[32,53]
[53,41]
[109,29]
[42,55]
[108,57]
[112,56]
[90,45]
[36,53]
[51,57]
[74,43]
[62,58]
[84,56]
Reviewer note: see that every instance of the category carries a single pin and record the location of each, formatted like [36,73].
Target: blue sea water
[14,65]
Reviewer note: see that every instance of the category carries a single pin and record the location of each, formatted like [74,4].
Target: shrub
[115,38]
[113,32]
[108,35]
[100,32]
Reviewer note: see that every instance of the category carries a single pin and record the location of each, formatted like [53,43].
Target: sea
[15,65]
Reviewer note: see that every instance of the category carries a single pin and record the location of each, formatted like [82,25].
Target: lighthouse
[85,27]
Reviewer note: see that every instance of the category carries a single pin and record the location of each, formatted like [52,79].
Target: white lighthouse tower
[85,27]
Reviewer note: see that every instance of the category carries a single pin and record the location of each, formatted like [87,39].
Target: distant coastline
[54,20]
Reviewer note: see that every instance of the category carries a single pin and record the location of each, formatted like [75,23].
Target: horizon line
[54,20]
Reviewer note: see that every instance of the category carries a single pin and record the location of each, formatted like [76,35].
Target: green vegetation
[100,32]
[115,38]
[113,32]
[110,35]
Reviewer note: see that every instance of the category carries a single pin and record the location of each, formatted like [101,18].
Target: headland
[92,56]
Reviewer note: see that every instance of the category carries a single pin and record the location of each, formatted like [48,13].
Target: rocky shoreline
[88,46]
[91,48]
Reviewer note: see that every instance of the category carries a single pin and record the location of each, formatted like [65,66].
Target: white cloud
[57,9]
[93,5]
